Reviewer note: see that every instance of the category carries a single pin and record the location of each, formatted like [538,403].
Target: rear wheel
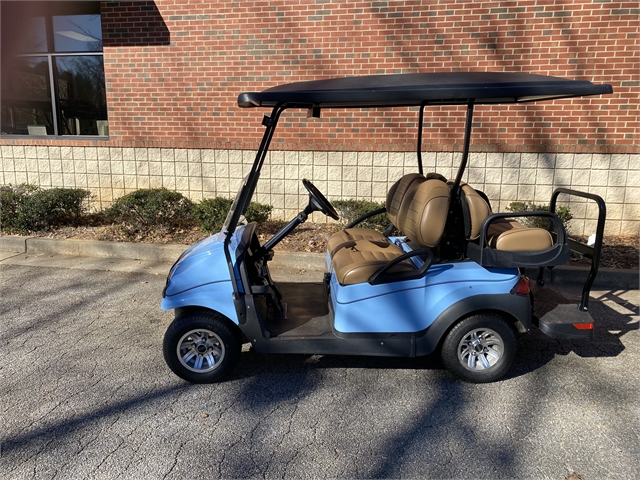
[479,348]
[201,346]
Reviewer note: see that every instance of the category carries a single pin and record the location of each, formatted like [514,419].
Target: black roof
[412,89]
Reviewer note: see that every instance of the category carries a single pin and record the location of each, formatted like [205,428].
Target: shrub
[27,208]
[563,212]
[148,209]
[11,201]
[258,212]
[349,210]
[211,213]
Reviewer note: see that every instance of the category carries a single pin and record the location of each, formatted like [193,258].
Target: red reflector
[583,326]
[523,286]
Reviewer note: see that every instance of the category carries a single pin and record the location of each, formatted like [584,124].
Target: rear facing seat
[507,242]
[503,234]
[422,217]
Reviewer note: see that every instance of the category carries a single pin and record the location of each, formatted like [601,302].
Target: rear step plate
[559,317]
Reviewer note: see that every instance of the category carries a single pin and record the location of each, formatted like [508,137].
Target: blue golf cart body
[451,280]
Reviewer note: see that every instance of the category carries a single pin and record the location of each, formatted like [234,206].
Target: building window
[52,69]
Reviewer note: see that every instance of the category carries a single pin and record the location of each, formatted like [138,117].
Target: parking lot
[85,393]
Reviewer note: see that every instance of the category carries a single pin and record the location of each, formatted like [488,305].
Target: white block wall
[109,172]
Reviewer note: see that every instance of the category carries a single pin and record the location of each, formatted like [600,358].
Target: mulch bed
[619,251]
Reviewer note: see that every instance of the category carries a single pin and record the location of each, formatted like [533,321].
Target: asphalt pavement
[85,393]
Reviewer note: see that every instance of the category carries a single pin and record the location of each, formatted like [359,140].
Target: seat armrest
[381,275]
[362,218]
[487,256]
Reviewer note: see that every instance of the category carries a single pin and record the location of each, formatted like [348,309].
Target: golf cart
[451,282]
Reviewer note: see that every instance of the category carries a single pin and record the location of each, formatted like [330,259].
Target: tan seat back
[397,194]
[425,216]
[475,212]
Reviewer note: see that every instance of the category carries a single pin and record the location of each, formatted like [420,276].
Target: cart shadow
[535,350]
[256,364]
[612,321]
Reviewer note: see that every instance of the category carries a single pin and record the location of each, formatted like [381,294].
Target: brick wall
[185,90]
[133,24]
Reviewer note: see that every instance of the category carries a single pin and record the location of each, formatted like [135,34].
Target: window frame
[53,10]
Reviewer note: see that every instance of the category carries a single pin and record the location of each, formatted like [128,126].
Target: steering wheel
[319,201]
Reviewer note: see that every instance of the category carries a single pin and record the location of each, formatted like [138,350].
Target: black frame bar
[465,150]
[246,193]
[593,253]
[419,140]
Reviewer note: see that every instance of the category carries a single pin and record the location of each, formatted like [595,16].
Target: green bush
[349,210]
[27,208]
[211,213]
[11,201]
[148,209]
[563,212]
[258,212]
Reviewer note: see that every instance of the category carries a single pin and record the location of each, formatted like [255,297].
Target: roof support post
[419,142]
[465,150]
[252,179]
[244,198]
[270,123]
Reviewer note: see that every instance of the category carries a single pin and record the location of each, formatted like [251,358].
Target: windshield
[234,206]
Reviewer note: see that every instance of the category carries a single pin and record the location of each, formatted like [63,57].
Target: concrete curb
[13,243]
[608,278]
[102,249]
[136,251]
[299,261]
[91,248]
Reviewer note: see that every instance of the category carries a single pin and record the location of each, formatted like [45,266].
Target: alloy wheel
[480,349]
[200,350]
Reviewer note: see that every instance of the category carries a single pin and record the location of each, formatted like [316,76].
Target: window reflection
[33,37]
[26,32]
[81,94]
[26,96]
[77,33]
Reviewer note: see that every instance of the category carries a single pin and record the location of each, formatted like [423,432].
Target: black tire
[201,346]
[479,348]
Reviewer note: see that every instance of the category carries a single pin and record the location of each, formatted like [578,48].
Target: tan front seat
[422,219]
[395,198]
[358,261]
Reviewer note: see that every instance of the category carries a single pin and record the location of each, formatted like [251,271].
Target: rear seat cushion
[512,236]
[503,234]
[357,262]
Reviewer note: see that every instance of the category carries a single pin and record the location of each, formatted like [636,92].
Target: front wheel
[480,348]
[201,347]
